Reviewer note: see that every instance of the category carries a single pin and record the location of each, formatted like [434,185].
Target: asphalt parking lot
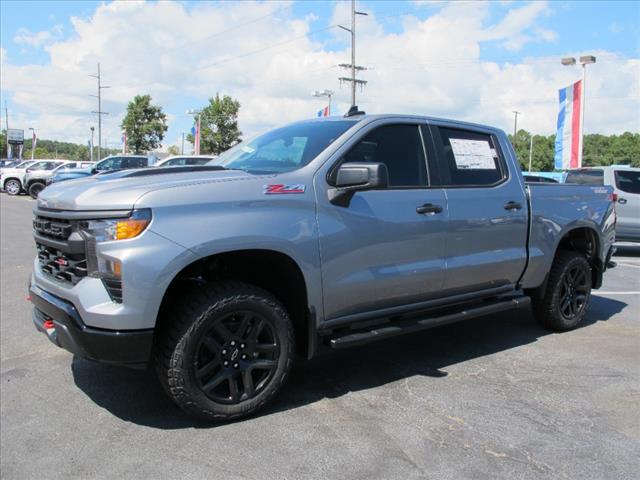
[497,397]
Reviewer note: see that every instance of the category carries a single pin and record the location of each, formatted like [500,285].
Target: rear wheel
[566,298]
[35,189]
[225,351]
[12,186]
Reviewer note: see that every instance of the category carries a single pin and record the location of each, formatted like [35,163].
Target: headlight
[119,228]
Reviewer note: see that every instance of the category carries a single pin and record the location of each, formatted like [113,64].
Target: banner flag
[568,141]
[324,112]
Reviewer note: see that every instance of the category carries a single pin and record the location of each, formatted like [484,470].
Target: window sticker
[472,154]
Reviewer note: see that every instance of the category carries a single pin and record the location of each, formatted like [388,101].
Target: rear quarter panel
[558,209]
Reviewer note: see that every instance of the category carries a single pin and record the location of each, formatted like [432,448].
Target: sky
[468,60]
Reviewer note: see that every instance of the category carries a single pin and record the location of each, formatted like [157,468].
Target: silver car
[35,176]
[626,187]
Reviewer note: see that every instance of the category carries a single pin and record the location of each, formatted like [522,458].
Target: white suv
[626,186]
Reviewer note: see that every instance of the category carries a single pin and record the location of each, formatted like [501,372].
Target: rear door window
[585,177]
[469,159]
[627,180]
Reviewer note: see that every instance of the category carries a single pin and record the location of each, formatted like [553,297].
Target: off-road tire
[12,186]
[35,188]
[562,288]
[180,338]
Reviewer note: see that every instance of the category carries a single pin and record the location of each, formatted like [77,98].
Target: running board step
[409,326]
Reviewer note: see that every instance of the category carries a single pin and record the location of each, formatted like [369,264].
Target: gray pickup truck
[319,235]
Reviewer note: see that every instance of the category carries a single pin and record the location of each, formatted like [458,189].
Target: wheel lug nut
[235,365]
[233,343]
[242,345]
[224,352]
[225,363]
[244,357]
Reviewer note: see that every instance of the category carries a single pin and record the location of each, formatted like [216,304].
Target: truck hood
[120,190]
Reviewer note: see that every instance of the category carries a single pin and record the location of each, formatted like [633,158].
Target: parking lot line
[633,265]
[616,293]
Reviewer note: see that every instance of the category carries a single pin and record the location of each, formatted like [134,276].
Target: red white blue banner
[568,152]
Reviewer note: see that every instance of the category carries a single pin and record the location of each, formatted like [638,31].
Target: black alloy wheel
[237,357]
[224,350]
[574,292]
[565,300]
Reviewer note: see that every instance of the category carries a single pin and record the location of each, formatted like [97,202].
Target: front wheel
[225,351]
[566,298]
[35,189]
[13,186]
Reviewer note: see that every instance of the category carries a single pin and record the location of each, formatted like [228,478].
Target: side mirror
[357,177]
[94,170]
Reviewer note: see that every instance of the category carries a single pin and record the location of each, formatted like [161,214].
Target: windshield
[24,164]
[283,149]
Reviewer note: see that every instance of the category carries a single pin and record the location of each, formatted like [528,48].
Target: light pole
[182,150]
[584,61]
[33,143]
[515,124]
[91,150]
[324,93]
[196,139]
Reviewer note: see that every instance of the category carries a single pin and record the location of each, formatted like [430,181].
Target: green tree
[219,125]
[173,150]
[145,124]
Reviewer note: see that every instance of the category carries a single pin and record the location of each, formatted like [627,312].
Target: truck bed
[556,209]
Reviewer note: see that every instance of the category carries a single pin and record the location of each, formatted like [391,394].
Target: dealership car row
[31,176]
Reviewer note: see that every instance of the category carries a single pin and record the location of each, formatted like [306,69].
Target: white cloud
[431,66]
[37,39]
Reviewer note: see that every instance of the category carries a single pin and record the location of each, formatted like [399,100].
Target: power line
[268,47]
[235,27]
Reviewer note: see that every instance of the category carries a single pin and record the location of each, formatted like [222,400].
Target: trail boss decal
[278,189]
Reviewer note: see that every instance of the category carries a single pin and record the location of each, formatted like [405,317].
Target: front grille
[68,255]
[62,266]
[53,228]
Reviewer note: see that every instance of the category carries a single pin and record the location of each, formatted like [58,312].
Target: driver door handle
[512,205]
[429,208]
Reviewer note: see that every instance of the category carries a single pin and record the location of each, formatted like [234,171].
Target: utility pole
[99,112]
[33,143]
[353,67]
[182,150]
[91,152]
[6,113]
[515,124]
[530,151]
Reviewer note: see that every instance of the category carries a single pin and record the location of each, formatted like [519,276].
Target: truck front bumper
[61,322]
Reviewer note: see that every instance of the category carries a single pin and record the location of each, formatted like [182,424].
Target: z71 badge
[283,189]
